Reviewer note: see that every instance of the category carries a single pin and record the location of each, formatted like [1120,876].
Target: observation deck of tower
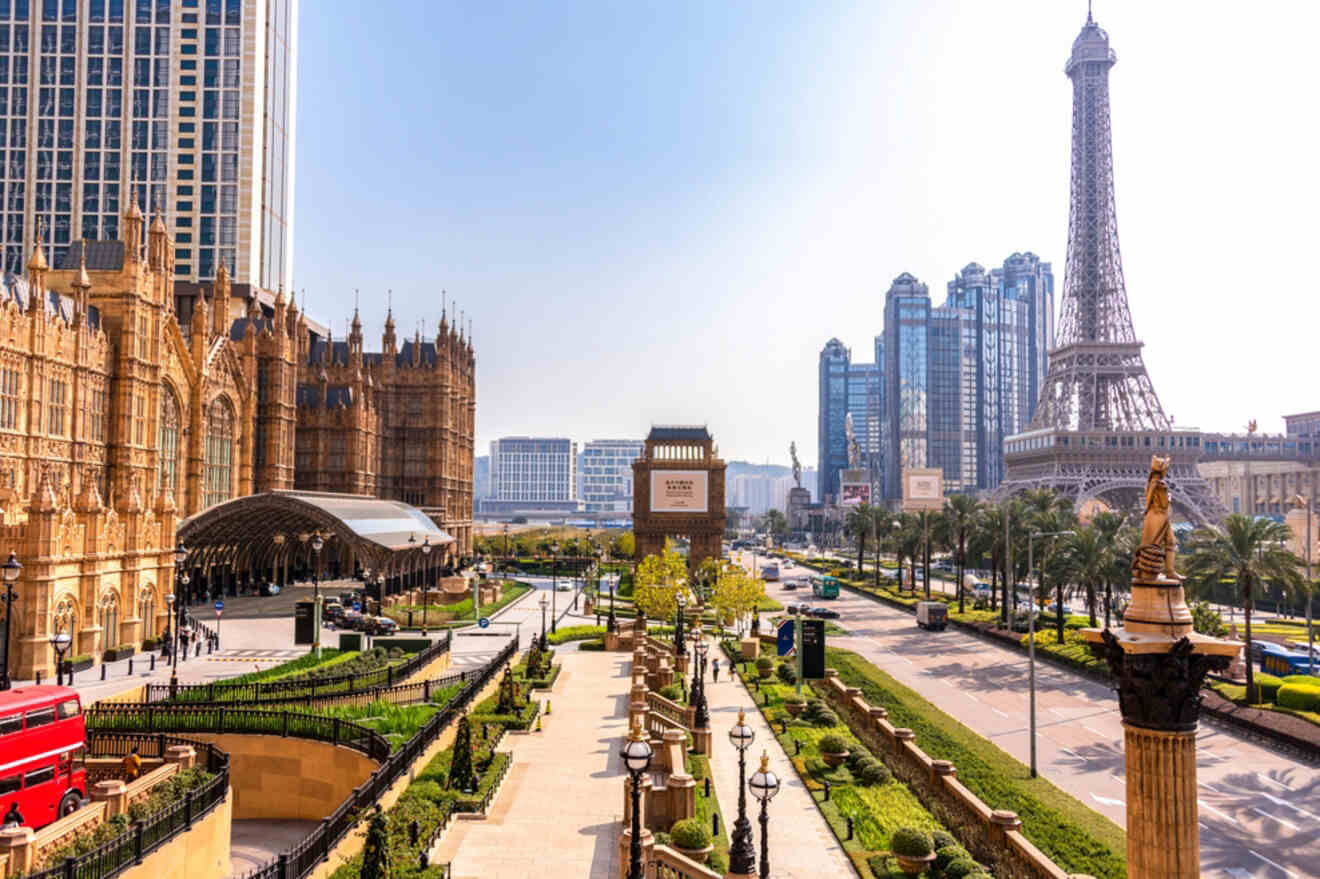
[1098,419]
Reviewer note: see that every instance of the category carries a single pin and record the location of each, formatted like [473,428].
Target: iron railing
[300,860]
[297,688]
[145,835]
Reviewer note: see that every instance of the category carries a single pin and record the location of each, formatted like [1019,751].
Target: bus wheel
[70,803]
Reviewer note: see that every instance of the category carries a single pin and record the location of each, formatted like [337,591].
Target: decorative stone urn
[695,854]
[833,759]
[914,866]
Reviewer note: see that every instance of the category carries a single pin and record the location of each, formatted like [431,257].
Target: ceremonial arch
[678,491]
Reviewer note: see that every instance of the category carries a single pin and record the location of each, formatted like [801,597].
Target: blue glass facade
[831,439]
[906,377]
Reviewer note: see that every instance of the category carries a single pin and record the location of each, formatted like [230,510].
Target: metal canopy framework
[268,530]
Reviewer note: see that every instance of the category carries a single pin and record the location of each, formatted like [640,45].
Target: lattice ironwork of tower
[1098,419]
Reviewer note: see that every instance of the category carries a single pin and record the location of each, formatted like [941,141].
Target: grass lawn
[301,665]
[459,611]
[698,767]
[1077,838]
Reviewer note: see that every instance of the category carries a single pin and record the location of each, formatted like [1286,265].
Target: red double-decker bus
[42,744]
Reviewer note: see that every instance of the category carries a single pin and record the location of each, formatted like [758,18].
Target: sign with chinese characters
[813,649]
[923,489]
[678,491]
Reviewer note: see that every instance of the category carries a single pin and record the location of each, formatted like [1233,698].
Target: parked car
[790,585]
[352,620]
[1053,610]
[331,608]
[564,587]
[379,626]
[824,613]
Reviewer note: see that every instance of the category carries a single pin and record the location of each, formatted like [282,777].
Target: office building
[524,469]
[188,104]
[906,367]
[831,440]
[606,481]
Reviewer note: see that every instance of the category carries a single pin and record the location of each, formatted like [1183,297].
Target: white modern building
[186,105]
[606,476]
[526,469]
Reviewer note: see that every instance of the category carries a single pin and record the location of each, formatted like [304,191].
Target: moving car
[351,620]
[331,609]
[379,626]
[563,587]
[790,585]
[932,615]
[824,613]
[770,573]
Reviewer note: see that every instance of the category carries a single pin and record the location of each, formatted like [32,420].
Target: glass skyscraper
[186,105]
[831,440]
[906,377]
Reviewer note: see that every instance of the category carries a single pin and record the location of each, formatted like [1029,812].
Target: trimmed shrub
[873,773]
[832,744]
[1302,697]
[858,755]
[764,665]
[690,834]
[1268,686]
[825,717]
[786,673]
[943,839]
[1308,680]
[961,868]
[947,854]
[672,692]
[595,645]
[913,842]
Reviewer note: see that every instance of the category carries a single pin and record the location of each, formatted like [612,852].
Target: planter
[795,708]
[79,663]
[914,866]
[695,854]
[115,653]
[833,759]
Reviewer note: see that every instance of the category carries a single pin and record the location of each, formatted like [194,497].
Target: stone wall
[200,853]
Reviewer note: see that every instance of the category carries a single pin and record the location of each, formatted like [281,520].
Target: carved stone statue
[1153,559]
[854,450]
[797,465]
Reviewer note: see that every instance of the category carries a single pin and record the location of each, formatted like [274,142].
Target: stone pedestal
[1161,796]
[625,846]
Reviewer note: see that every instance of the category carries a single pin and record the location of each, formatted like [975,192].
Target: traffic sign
[219,606]
[484,622]
[784,638]
[357,606]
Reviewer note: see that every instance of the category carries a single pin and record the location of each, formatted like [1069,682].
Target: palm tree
[1250,551]
[1054,518]
[961,513]
[882,526]
[1110,527]
[858,524]
[1089,560]
[907,543]
[989,540]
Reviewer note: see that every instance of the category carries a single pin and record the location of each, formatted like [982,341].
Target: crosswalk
[254,654]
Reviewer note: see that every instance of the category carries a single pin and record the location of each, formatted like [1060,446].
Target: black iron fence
[297,688]
[145,835]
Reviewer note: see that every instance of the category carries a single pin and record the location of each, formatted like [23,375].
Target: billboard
[854,493]
[923,489]
[679,491]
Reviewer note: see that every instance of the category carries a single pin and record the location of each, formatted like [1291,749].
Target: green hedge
[597,645]
[1076,837]
[407,645]
[1268,685]
[575,633]
[1303,697]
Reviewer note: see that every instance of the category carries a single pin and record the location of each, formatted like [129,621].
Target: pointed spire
[37,263]
[1089,20]
[81,281]
[356,326]
[461,316]
[157,224]
[389,311]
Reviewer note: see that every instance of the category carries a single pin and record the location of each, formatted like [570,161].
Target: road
[1260,811]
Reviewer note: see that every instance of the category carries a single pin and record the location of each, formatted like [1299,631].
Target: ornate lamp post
[701,716]
[317,543]
[506,547]
[543,604]
[764,785]
[426,551]
[11,569]
[554,585]
[679,649]
[636,754]
[60,641]
[742,854]
[611,624]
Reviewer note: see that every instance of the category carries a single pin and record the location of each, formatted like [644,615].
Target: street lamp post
[679,649]
[1031,633]
[764,785]
[554,584]
[543,604]
[317,543]
[426,551]
[701,714]
[742,854]
[60,641]
[636,754]
[611,624]
[11,569]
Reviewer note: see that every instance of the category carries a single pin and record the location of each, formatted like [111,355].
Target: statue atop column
[1153,560]
[797,465]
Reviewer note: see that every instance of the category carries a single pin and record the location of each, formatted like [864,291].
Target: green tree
[660,579]
[623,546]
[376,851]
[907,544]
[776,523]
[882,530]
[1251,552]
[961,513]
[857,524]
[736,594]
[462,775]
[1088,559]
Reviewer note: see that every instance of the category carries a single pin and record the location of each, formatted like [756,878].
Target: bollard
[715,824]
[414,830]
[153,662]
[797,747]
[423,860]
[827,791]
[850,827]
[38,678]
[103,668]
[707,785]
[130,666]
[767,698]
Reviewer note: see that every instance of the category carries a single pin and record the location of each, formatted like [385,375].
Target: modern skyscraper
[1098,419]
[533,469]
[906,366]
[607,475]
[832,443]
[186,105]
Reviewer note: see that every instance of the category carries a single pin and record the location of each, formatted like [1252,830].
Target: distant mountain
[772,471]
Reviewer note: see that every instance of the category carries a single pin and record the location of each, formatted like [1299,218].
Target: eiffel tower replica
[1098,419]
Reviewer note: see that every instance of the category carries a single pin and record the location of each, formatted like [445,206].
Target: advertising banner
[923,489]
[678,491]
[855,493]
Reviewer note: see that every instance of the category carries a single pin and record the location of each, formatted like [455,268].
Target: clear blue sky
[659,212]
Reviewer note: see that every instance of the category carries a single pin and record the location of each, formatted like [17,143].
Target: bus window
[39,776]
[10,784]
[11,724]
[68,708]
[40,717]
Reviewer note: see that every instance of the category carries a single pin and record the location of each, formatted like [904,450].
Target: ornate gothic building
[127,404]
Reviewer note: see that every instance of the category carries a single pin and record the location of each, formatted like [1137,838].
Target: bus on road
[770,572]
[42,744]
[825,587]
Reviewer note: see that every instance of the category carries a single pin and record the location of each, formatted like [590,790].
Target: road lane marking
[1268,780]
[971,696]
[1108,801]
[1093,731]
[1288,824]
[1278,802]
[1280,867]
[1209,808]
[1117,779]
[997,711]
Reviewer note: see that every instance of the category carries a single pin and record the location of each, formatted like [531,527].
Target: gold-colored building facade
[126,407]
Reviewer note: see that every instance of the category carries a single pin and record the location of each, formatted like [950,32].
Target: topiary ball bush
[913,842]
[671,692]
[947,854]
[1268,686]
[874,773]
[1302,697]
[690,834]
[858,755]
[832,744]
[943,839]
[786,673]
[825,717]
[961,868]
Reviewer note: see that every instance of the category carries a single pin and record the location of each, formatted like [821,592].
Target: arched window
[108,617]
[148,612]
[219,452]
[65,616]
[169,440]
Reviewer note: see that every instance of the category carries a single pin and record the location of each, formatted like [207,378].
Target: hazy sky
[659,212]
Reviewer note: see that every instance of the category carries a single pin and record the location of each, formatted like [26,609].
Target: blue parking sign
[484,622]
[357,606]
[219,606]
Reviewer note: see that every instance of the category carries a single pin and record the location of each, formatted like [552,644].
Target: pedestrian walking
[715,671]
[132,764]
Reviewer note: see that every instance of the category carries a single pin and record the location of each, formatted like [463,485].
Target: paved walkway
[801,843]
[559,809]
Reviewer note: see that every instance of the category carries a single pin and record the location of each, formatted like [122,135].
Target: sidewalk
[559,810]
[801,844]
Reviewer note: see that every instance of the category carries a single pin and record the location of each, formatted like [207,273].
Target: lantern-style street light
[60,641]
[11,570]
[742,854]
[636,754]
[554,585]
[764,785]
[544,604]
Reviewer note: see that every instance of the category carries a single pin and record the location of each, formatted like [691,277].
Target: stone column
[1161,797]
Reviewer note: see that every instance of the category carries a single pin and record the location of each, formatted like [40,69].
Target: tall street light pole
[1031,633]
[742,854]
[636,754]
[543,604]
[317,543]
[60,642]
[426,586]
[11,569]
[554,584]
[764,785]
